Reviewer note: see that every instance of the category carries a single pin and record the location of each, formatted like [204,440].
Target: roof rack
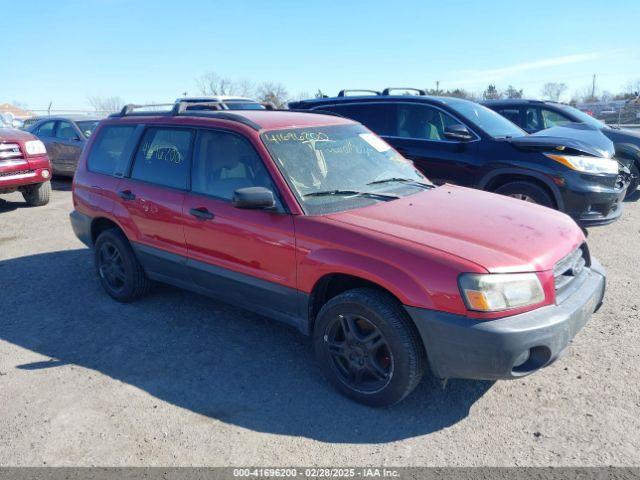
[343,93]
[388,90]
[208,109]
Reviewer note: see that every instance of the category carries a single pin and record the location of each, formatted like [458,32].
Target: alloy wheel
[111,266]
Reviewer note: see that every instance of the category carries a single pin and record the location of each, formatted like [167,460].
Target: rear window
[164,157]
[108,148]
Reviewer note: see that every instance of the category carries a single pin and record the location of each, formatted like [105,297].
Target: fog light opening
[45,174]
[531,360]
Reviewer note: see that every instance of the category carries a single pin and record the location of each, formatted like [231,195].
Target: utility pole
[593,88]
[437,87]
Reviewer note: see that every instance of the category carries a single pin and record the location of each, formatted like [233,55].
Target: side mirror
[457,132]
[254,198]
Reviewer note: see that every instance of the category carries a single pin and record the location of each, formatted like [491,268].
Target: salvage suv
[24,166]
[316,221]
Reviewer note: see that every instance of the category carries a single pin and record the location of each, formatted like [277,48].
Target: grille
[10,151]
[571,268]
[15,173]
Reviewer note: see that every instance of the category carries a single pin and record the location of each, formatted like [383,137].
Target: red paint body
[22,169]
[415,247]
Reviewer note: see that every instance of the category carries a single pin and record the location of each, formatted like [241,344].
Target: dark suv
[458,141]
[535,115]
[316,221]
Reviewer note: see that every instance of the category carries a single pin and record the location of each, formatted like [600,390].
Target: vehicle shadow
[634,197]
[61,184]
[204,356]
[9,206]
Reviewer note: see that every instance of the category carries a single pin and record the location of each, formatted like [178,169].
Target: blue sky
[67,51]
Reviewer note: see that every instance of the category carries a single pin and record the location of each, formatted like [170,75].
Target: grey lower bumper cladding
[462,347]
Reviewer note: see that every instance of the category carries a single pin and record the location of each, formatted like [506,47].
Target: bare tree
[274,93]
[213,84]
[106,104]
[511,92]
[553,90]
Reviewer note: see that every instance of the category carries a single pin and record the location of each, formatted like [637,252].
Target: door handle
[201,213]
[127,195]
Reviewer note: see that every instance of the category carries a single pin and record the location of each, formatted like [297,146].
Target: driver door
[239,255]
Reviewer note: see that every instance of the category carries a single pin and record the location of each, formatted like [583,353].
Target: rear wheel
[527,191]
[37,195]
[119,271]
[367,347]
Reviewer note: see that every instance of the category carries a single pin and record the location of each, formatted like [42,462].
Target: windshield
[87,127]
[337,168]
[583,117]
[491,122]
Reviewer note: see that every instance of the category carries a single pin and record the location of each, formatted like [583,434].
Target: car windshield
[87,126]
[341,167]
[491,122]
[583,117]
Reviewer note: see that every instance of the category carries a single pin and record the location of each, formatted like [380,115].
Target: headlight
[495,292]
[35,147]
[586,164]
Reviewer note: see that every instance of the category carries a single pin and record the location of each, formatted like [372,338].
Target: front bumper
[461,347]
[593,200]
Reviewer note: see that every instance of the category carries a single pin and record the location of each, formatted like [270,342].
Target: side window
[551,118]
[224,162]
[164,157]
[511,114]
[422,122]
[108,148]
[377,117]
[532,120]
[65,131]
[46,129]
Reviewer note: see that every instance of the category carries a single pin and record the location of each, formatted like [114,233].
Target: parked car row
[326,218]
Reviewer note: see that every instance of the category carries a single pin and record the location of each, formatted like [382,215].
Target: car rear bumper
[461,347]
[81,225]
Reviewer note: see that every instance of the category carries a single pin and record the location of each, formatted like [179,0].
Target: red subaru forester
[314,220]
[24,166]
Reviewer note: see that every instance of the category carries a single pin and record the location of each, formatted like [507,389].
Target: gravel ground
[179,379]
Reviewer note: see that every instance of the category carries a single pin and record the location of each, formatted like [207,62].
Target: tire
[399,360]
[117,267]
[527,191]
[37,195]
[635,180]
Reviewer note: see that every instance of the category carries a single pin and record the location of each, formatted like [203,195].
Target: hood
[573,139]
[498,233]
[14,135]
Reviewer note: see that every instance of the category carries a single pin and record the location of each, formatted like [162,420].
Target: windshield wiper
[402,180]
[355,193]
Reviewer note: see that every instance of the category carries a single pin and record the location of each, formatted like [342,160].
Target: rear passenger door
[239,255]
[151,195]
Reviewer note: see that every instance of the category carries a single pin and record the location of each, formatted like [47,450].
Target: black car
[535,115]
[64,139]
[458,141]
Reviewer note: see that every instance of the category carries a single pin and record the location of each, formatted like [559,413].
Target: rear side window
[164,157]
[108,148]
[378,117]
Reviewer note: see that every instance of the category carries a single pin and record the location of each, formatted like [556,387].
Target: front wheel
[528,192]
[37,195]
[635,180]
[367,347]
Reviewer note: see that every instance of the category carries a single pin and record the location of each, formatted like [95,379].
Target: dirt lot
[178,379]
